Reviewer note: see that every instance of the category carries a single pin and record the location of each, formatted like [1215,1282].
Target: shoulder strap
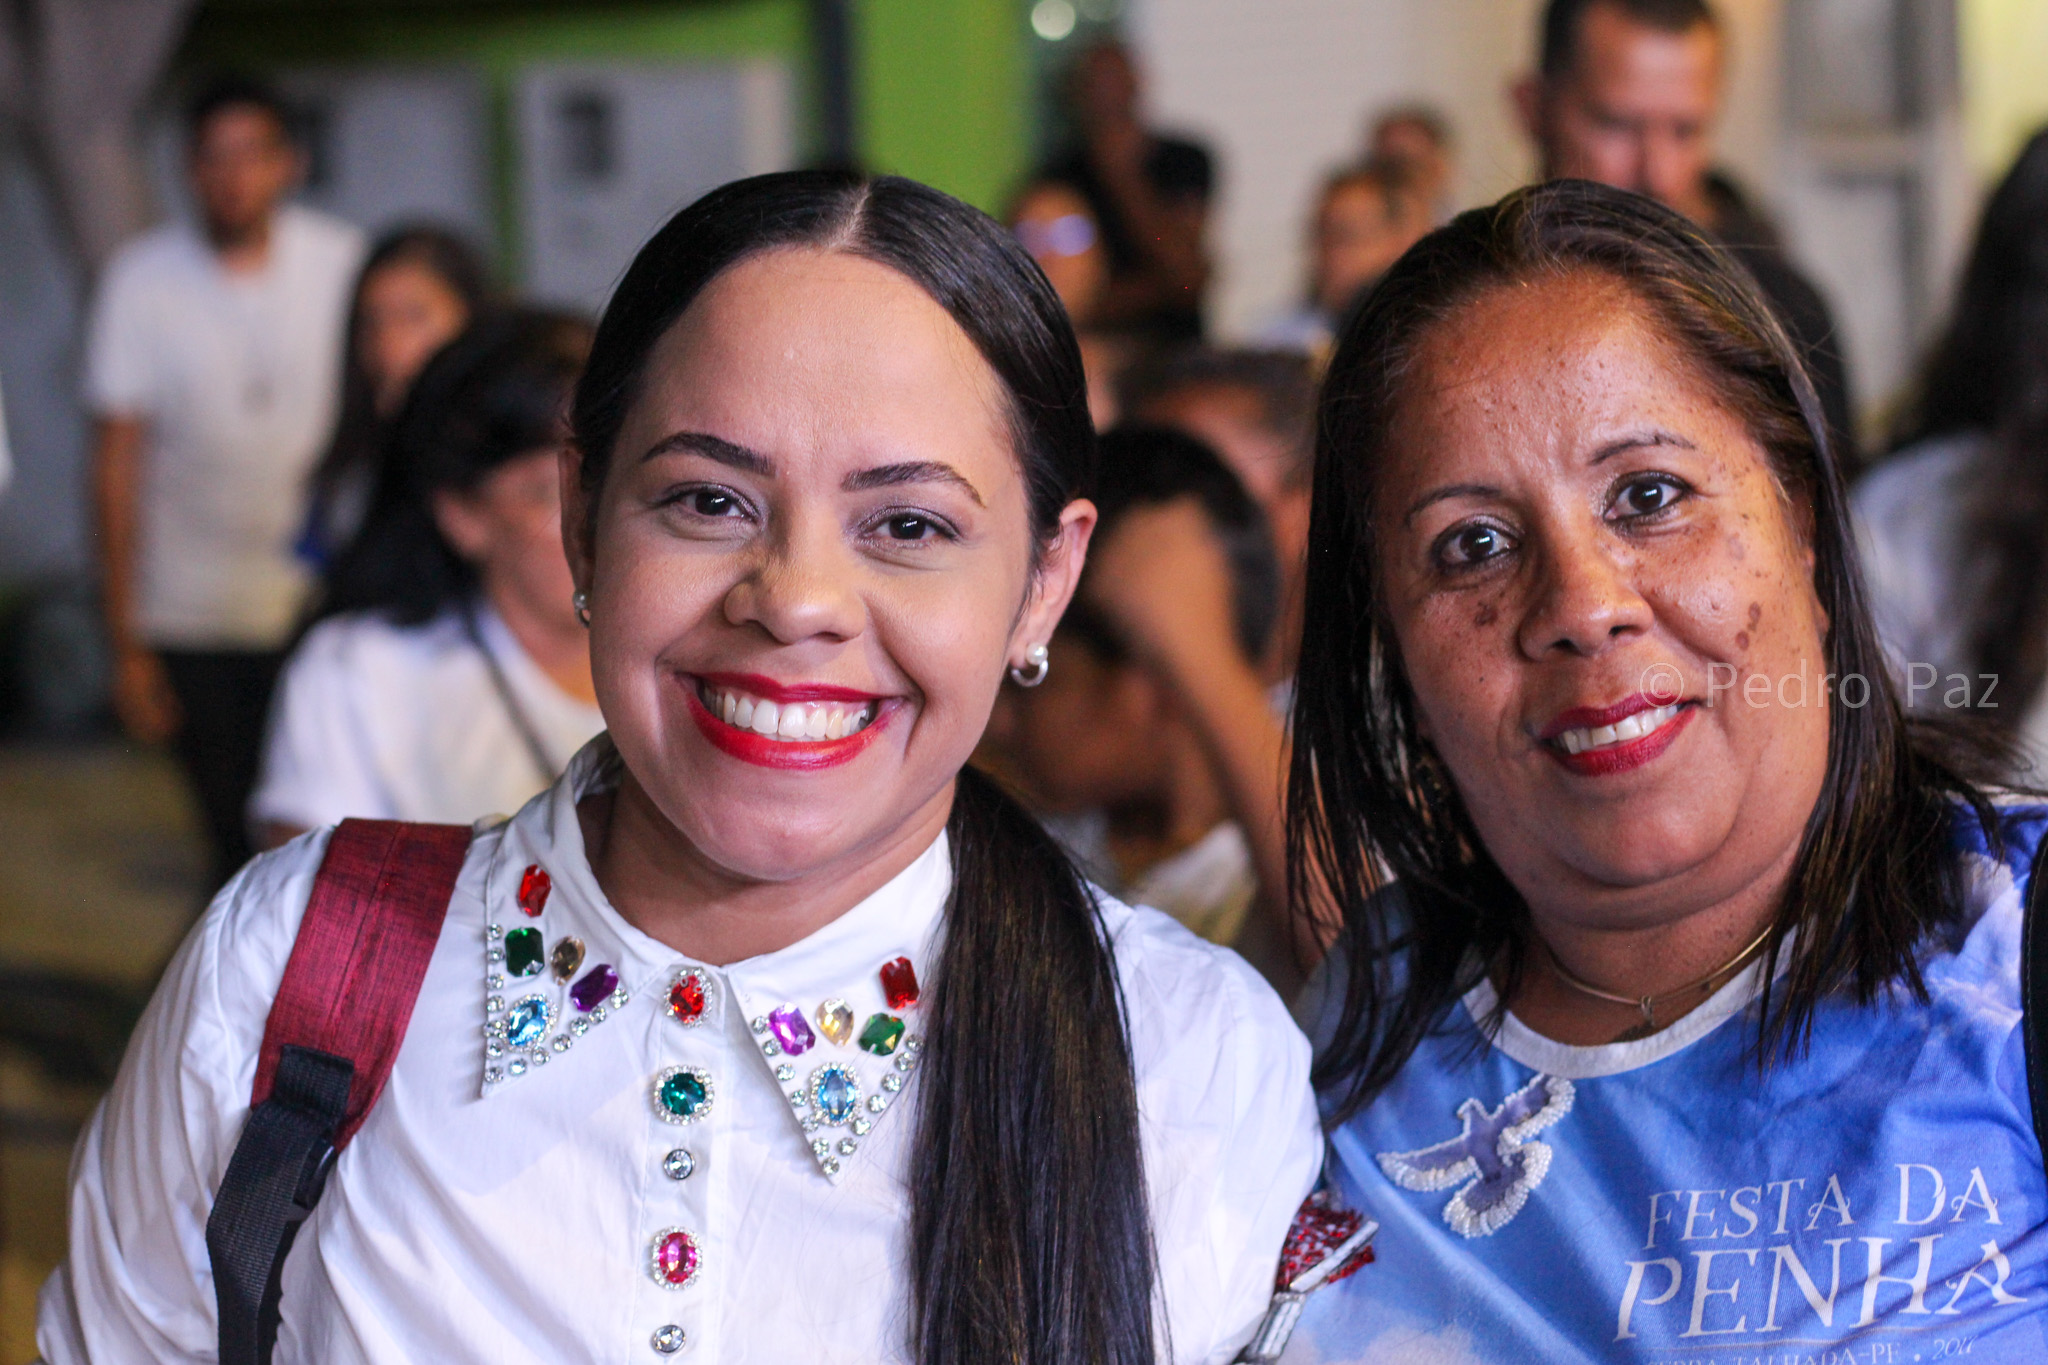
[2034,991]
[333,1034]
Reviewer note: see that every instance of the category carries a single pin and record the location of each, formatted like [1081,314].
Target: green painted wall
[944,90]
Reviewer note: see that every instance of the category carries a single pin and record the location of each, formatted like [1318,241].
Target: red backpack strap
[378,903]
[334,1031]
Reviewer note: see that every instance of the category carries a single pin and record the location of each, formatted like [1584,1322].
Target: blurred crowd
[327,488]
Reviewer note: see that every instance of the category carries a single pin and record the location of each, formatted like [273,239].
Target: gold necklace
[1648,1003]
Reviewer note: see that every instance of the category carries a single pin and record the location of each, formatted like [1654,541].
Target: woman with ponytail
[798,1040]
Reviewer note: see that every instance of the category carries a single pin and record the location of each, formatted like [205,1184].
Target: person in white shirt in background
[1117,750]
[857,1066]
[448,677]
[1953,527]
[213,362]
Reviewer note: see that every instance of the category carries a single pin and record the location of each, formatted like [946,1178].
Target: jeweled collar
[833,1016]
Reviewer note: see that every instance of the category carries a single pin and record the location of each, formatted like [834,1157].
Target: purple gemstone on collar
[791,1030]
[595,988]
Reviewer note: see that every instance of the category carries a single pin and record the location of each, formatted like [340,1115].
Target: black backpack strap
[273,1181]
[2034,991]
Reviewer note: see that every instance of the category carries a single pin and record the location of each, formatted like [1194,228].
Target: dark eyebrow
[910,471]
[1638,441]
[1453,490]
[712,448]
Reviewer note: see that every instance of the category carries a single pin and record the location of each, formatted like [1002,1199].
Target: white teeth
[1628,728]
[790,720]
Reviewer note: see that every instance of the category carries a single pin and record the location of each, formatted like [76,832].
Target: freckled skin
[1556,412]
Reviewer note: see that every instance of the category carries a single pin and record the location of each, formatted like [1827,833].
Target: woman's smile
[1603,740]
[800,726]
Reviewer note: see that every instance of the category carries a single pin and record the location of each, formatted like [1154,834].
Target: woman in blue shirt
[1675,1015]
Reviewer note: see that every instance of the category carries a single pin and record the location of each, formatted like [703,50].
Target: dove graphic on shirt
[1493,1162]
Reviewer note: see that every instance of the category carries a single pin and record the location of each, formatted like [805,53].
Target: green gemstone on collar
[881,1034]
[524,952]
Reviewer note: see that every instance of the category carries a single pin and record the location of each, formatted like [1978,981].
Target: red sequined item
[1320,1227]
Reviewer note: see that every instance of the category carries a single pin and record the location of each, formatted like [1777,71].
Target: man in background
[1149,194]
[1628,93]
[212,371]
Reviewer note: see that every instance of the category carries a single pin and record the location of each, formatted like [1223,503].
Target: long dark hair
[1029,1234]
[349,466]
[1988,376]
[1874,873]
[499,391]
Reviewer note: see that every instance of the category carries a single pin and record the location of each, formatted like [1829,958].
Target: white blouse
[388,722]
[547,1182]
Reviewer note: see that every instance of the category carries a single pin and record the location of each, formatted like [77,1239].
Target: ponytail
[1030,1240]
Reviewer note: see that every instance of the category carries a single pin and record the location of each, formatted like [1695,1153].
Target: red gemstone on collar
[686,998]
[534,886]
[899,984]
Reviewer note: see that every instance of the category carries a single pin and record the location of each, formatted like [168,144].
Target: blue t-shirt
[1879,1200]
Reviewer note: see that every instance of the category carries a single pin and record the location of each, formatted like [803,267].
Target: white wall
[1283,91]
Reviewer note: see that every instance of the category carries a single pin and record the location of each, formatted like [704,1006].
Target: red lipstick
[1614,758]
[788,754]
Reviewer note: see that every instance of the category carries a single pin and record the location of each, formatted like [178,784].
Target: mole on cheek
[1756,614]
[1486,615]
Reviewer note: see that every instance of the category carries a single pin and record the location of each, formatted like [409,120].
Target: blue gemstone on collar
[526,1023]
[835,1092]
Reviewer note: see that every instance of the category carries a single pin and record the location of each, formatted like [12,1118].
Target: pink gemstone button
[674,1258]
